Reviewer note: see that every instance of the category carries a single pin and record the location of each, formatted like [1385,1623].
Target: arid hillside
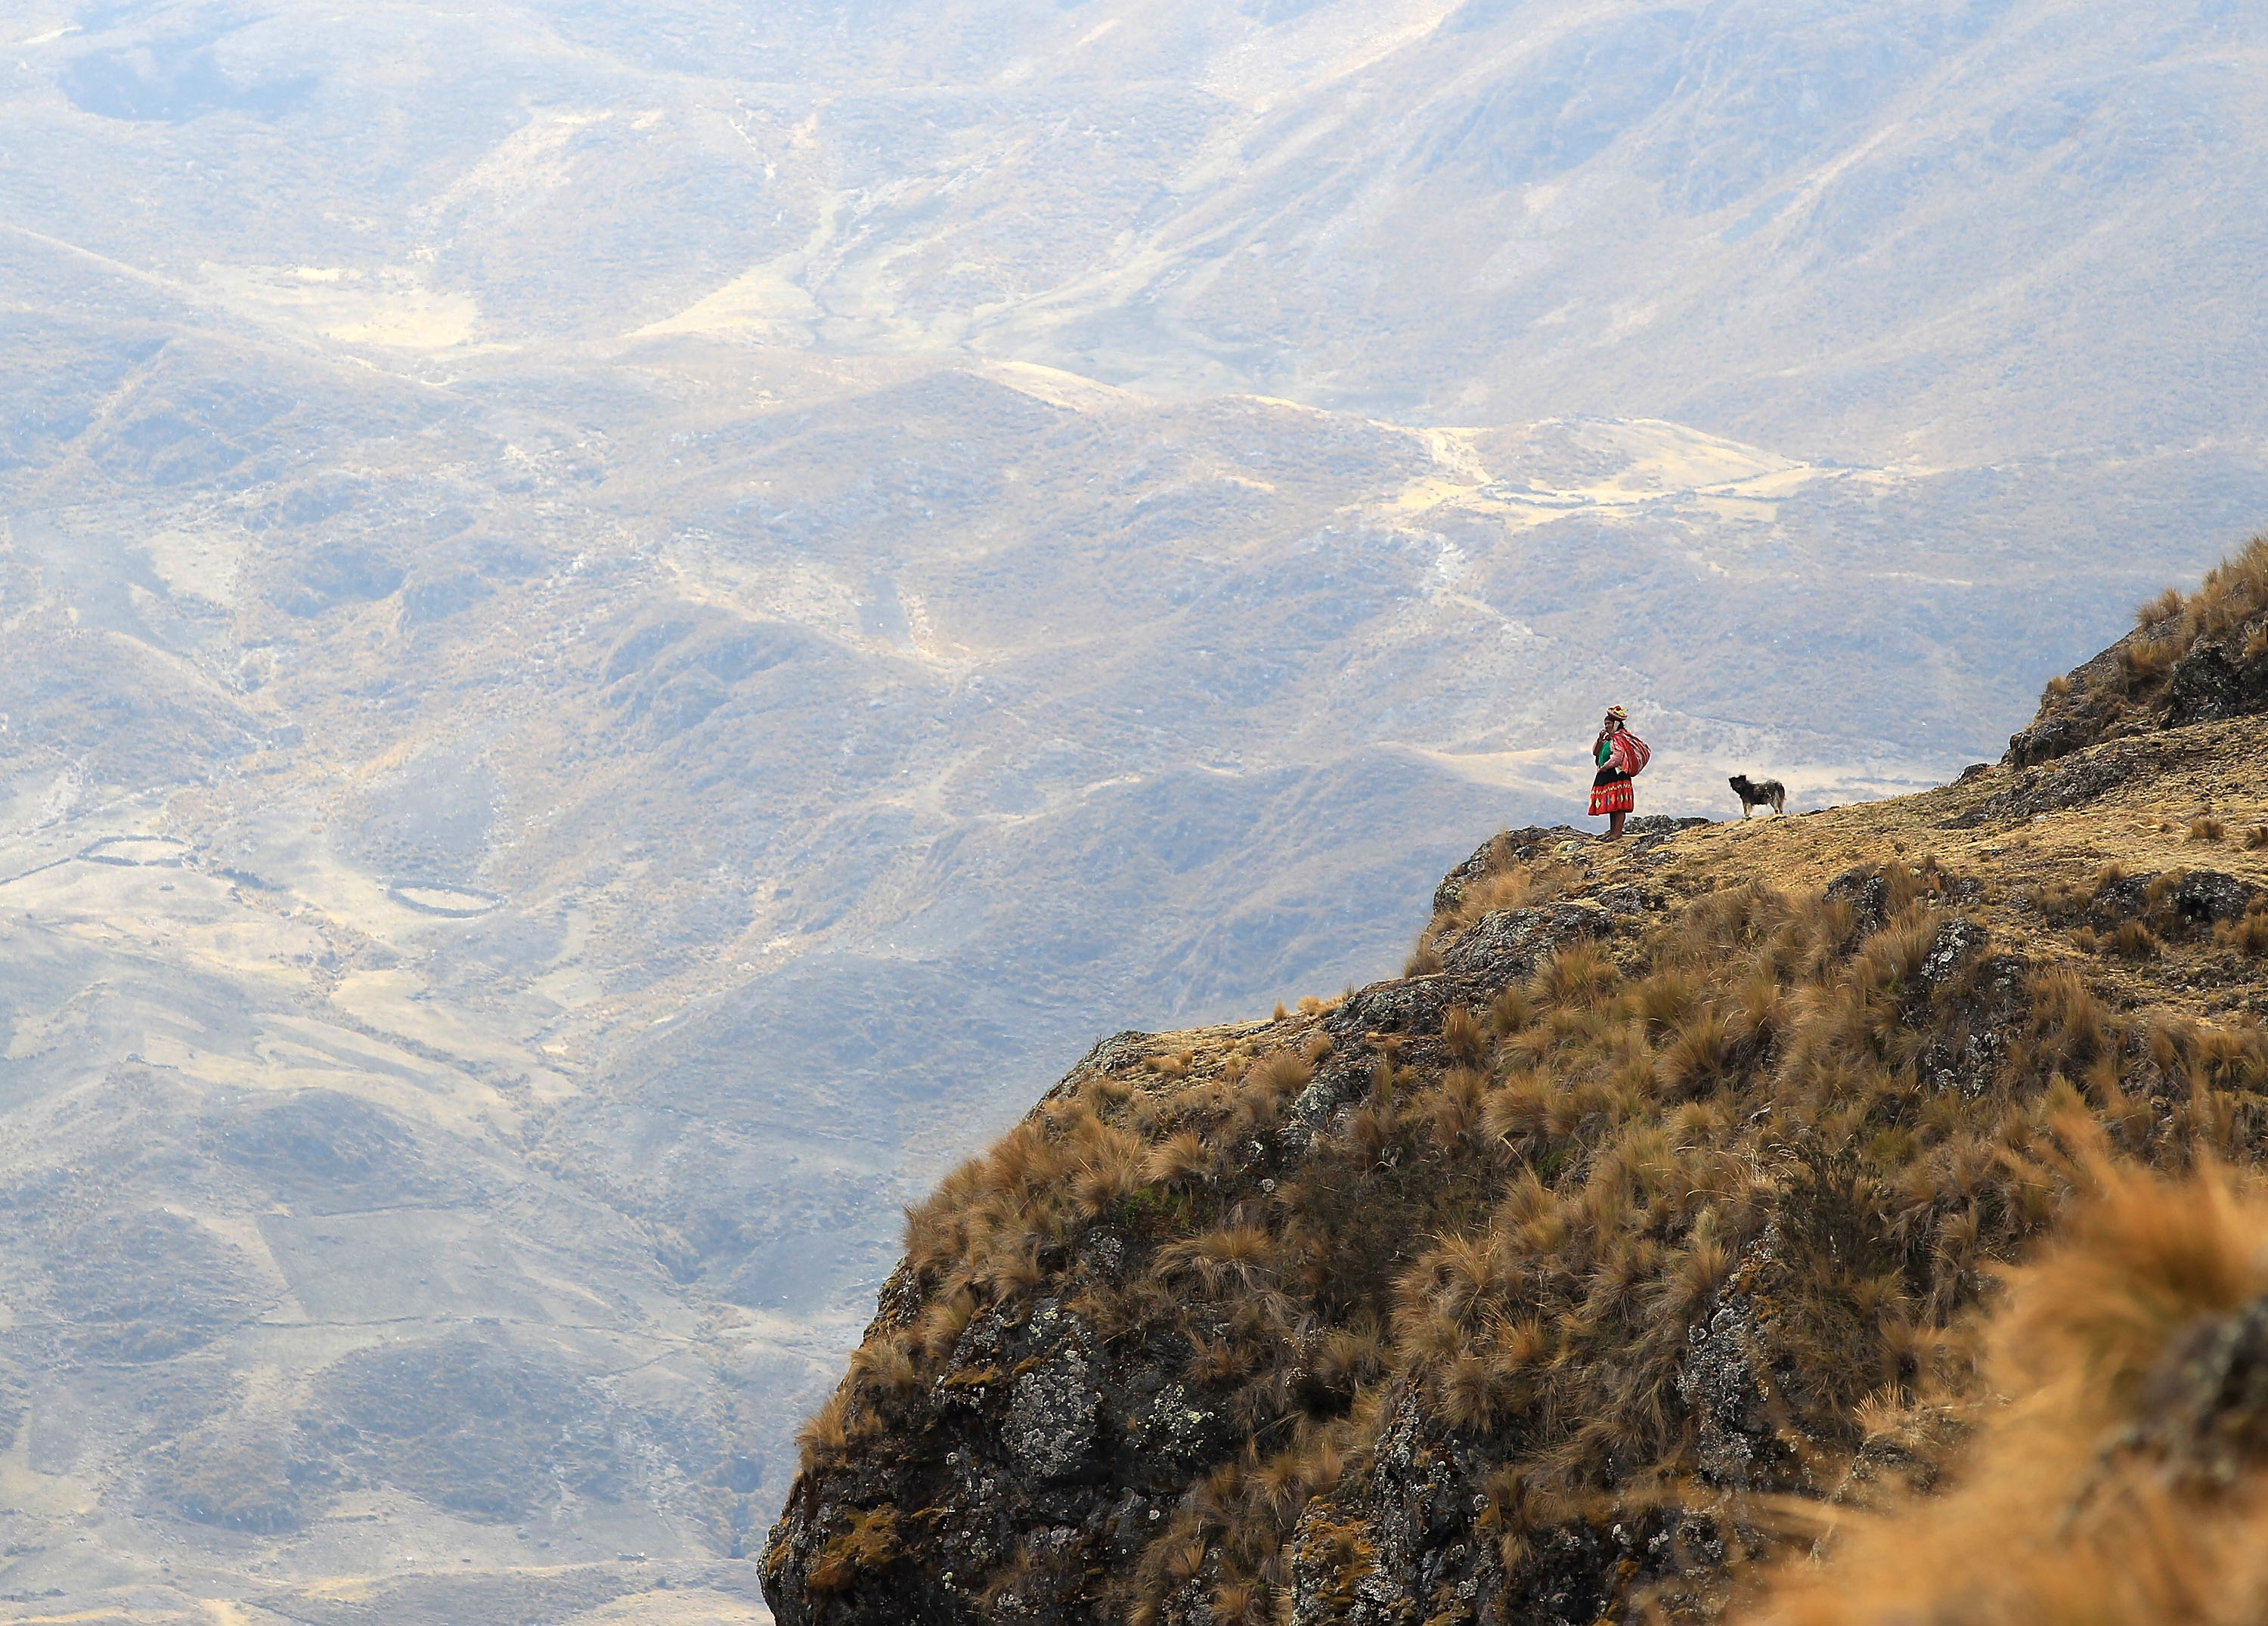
[1959,232]
[1641,1228]
[623,625]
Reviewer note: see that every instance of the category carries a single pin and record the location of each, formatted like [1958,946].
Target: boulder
[1506,946]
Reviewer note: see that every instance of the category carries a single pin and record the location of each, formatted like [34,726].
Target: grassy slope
[1827,1109]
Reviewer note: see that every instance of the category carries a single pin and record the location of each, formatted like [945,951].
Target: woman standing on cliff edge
[1619,755]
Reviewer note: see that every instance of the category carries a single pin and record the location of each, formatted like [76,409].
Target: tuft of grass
[2070,1025]
[1181,1159]
[2133,940]
[868,1542]
[1463,1034]
[1287,1072]
[2116,1486]
[1509,883]
[883,1366]
[2247,935]
[2207,828]
[1573,975]
[1702,1054]
[2232,594]
[2156,612]
[824,1437]
[942,1322]
[2145,662]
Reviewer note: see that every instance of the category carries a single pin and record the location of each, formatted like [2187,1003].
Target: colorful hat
[1616,711]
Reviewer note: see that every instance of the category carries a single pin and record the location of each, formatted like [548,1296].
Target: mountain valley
[625,628]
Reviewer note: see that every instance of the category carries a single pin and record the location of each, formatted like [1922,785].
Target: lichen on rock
[1051,1428]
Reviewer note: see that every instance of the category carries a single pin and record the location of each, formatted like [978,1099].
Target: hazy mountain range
[624,626]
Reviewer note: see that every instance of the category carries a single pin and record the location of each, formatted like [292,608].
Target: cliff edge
[2195,658]
[1537,1284]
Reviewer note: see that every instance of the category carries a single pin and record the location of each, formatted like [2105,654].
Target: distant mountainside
[621,627]
[1666,1187]
[1955,232]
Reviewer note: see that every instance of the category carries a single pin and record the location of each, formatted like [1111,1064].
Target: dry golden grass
[869,1544]
[1508,883]
[2121,1476]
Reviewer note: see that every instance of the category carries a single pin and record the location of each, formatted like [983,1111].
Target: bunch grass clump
[2120,1477]
[1506,882]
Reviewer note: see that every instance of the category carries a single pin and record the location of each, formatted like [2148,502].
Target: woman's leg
[1615,825]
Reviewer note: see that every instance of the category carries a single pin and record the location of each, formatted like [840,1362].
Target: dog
[1764,793]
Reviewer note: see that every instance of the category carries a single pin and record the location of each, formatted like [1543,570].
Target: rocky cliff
[2200,658]
[1538,1284]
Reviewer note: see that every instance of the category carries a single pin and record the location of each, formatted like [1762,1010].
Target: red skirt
[1610,795]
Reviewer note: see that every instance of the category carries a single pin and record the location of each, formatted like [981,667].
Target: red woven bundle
[1629,753]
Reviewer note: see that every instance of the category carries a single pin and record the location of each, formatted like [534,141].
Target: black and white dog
[1764,793]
